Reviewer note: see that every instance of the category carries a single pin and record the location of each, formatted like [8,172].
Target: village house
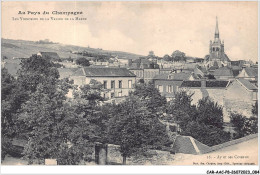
[240,96]
[237,96]
[168,84]
[214,89]
[144,69]
[223,73]
[249,73]
[117,82]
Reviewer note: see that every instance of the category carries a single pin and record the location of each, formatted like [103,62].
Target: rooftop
[250,85]
[103,72]
[209,84]
[223,71]
[173,76]
[251,72]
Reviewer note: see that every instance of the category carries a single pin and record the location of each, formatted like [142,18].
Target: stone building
[117,82]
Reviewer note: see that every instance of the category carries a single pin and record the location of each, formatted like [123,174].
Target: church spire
[216,30]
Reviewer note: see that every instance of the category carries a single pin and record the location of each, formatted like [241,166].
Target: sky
[139,27]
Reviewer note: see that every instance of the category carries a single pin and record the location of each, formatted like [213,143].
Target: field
[24,49]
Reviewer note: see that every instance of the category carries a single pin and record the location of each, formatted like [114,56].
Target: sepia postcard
[93,83]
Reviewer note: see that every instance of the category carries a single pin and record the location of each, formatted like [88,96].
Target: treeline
[96,56]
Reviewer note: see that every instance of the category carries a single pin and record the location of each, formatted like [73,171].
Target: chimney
[203,82]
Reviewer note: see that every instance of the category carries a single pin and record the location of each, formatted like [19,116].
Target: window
[112,84]
[105,84]
[170,88]
[120,84]
[213,48]
[160,88]
[217,49]
[129,84]
[112,94]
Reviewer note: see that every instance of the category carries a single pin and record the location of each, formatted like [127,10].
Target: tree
[151,53]
[243,125]
[151,96]
[178,53]
[83,62]
[210,113]
[167,58]
[181,110]
[209,135]
[136,129]
[199,121]
[12,96]
[36,70]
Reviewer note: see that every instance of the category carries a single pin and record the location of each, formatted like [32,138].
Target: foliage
[151,53]
[243,125]
[167,58]
[203,122]
[35,70]
[151,96]
[82,61]
[135,128]
[210,113]
[12,96]
[209,135]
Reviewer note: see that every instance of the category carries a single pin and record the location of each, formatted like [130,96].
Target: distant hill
[23,49]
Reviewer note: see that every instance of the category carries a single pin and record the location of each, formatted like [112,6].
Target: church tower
[217,56]
[216,47]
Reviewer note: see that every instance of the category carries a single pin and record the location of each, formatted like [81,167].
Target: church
[217,57]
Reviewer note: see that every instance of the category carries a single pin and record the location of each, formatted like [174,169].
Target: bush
[82,62]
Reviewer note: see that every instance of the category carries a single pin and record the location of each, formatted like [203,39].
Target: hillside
[22,49]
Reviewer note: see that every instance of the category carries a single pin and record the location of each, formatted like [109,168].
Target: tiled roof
[251,72]
[209,84]
[191,84]
[189,145]
[216,83]
[173,76]
[247,84]
[213,68]
[103,72]
[142,60]
[226,58]
[66,72]
[161,77]
[223,71]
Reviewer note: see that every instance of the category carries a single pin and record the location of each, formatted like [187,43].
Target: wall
[150,73]
[175,84]
[238,99]
[124,90]
[153,157]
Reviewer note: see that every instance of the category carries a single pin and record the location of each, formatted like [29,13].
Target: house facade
[168,84]
[240,96]
[117,82]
